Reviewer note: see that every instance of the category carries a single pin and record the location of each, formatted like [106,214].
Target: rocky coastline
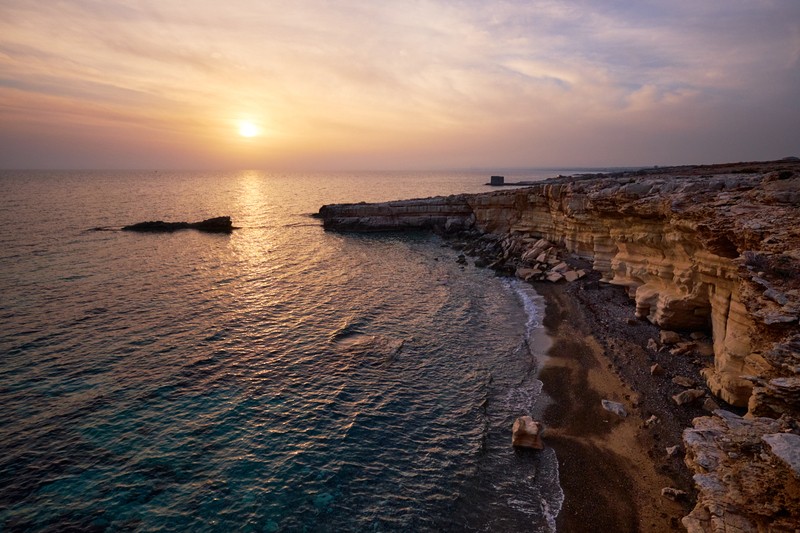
[708,255]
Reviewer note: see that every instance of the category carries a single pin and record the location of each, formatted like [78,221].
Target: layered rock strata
[698,249]
[747,474]
[704,248]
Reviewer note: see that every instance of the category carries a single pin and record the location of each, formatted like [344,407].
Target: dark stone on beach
[211,225]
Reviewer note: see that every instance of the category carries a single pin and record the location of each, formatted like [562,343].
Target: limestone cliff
[697,248]
[713,249]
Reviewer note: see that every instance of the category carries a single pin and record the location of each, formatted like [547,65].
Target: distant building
[497,180]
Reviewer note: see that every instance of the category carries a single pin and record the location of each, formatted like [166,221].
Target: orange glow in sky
[384,85]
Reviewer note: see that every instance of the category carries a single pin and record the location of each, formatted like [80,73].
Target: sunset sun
[248,129]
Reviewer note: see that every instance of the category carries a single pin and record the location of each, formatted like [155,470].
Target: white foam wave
[532,303]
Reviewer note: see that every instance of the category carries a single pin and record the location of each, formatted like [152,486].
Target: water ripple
[277,379]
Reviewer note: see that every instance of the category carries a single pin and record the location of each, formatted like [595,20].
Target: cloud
[426,80]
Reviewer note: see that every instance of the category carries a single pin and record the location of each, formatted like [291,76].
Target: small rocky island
[703,252]
[211,225]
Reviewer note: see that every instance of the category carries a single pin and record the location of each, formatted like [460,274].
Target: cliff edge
[712,249]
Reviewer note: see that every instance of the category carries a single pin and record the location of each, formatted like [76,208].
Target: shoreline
[706,253]
[611,469]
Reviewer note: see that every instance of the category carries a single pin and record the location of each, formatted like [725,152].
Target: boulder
[683,381]
[670,337]
[688,396]
[682,348]
[570,275]
[710,405]
[527,433]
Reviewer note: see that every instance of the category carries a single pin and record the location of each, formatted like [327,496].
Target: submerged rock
[527,433]
[210,225]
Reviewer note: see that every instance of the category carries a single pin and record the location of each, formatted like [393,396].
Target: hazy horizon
[86,84]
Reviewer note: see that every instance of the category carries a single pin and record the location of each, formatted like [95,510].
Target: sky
[413,84]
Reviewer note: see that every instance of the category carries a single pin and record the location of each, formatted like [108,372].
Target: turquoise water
[277,379]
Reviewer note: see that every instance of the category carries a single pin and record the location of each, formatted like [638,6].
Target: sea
[280,378]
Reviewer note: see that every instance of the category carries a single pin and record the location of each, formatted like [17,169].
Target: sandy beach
[612,469]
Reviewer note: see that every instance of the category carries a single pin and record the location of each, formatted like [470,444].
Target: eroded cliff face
[718,252]
[713,249]
[678,246]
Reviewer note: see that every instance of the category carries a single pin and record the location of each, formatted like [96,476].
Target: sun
[248,129]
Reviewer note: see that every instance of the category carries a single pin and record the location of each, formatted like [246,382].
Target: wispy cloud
[427,82]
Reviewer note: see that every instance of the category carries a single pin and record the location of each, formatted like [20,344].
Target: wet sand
[612,469]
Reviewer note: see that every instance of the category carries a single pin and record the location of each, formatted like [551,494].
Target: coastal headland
[674,292]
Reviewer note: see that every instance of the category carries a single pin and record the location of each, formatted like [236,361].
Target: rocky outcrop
[211,225]
[746,474]
[450,213]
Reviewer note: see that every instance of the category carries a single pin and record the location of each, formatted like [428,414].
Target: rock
[705,349]
[581,273]
[554,277]
[786,447]
[683,381]
[526,433]
[560,268]
[462,259]
[673,493]
[710,405]
[614,407]
[682,348]
[688,396]
[656,370]
[652,345]
[777,397]
[673,451]
[211,225]
[650,421]
[525,273]
[740,486]
[669,337]
[570,275]
[697,335]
